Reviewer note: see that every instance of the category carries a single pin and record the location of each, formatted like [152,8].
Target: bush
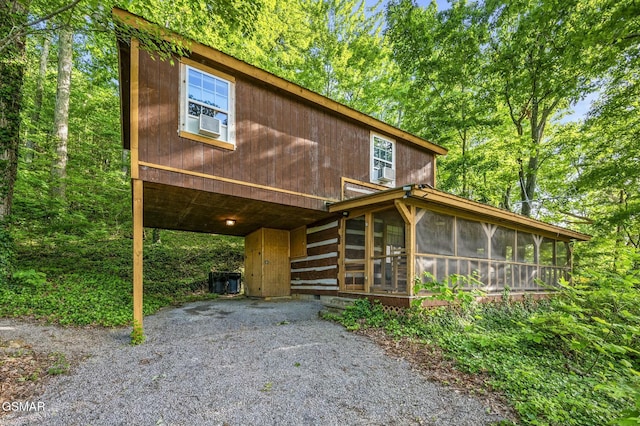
[571,360]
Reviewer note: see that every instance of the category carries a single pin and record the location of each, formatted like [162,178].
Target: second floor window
[383,169]
[207,105]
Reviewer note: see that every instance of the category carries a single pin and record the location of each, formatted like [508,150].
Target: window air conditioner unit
[209,126]
[386,175]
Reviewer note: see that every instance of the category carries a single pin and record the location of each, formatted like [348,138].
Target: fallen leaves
[24,371]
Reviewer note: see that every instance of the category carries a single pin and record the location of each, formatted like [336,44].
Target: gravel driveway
[236,362]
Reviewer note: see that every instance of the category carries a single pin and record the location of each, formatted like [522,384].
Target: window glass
[208,95]
[382,157]
[472,240]
[434,233]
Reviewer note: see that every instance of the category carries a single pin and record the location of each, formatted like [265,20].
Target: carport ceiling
[170,207]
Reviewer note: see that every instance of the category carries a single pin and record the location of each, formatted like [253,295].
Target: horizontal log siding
[317,273]
[281,142]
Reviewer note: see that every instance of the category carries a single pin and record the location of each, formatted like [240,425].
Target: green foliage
[73,281]
[571,360]
[60,364]
[6,255]
[459,291]
[137,334]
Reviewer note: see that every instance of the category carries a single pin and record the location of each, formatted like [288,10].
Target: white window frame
[183,128]
[374,178]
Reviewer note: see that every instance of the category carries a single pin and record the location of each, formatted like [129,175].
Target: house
[331,202]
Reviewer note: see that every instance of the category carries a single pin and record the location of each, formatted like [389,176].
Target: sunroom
[390,237]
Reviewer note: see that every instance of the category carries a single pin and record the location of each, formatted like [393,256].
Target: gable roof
[250,72]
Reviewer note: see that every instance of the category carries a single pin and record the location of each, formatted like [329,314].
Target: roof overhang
[424,196]
[184,209]
[250,72]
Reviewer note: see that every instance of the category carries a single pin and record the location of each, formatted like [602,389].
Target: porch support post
[137,252]
[368,250]
[408,213]
[136,185]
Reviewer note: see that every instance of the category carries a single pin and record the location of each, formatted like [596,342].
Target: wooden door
[253,264]
[276,267]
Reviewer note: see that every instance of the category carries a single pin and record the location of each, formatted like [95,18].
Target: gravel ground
[235,362]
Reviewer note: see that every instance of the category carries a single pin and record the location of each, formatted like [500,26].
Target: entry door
[276,268]
[253,264]
[267,265]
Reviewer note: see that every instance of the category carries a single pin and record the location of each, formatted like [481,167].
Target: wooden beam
[410,238]
[344,180]
[137,251]
[133,109]
[209,141]
[404,211]
[271,79]
[234,181]
[368,251]
[342,274]
[367,200]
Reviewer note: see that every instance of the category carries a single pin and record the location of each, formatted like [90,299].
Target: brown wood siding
[318,271]
[280,142]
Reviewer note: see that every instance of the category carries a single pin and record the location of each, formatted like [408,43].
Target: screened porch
[391,237]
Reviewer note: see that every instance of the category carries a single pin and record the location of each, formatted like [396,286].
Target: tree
[440,54]
[61,114]
[12,15]
[346,59]
[545,56]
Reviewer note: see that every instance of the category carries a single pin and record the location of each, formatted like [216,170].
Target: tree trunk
[37,100]
[42,75]
[12,15]
[61,114]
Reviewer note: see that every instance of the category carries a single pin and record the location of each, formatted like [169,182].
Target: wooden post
[408,213]
[137,252]
[368,250]
[136,185]
[133,108]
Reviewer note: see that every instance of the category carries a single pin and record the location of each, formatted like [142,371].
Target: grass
[79,282]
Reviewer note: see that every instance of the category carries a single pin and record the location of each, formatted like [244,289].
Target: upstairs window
[207,107]
[383,160]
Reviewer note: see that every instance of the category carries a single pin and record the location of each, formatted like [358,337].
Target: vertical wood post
[408,213]
[411,246]
[136,184]
[368,250]
[137,252]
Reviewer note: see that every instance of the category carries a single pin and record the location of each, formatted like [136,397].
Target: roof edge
[426,194]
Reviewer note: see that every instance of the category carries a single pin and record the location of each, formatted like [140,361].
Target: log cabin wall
[281,142]
[316,272]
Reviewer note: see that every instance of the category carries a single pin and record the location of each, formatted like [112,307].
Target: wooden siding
[317,272]
[281,142]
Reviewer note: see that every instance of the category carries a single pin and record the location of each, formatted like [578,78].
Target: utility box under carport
[267,266]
